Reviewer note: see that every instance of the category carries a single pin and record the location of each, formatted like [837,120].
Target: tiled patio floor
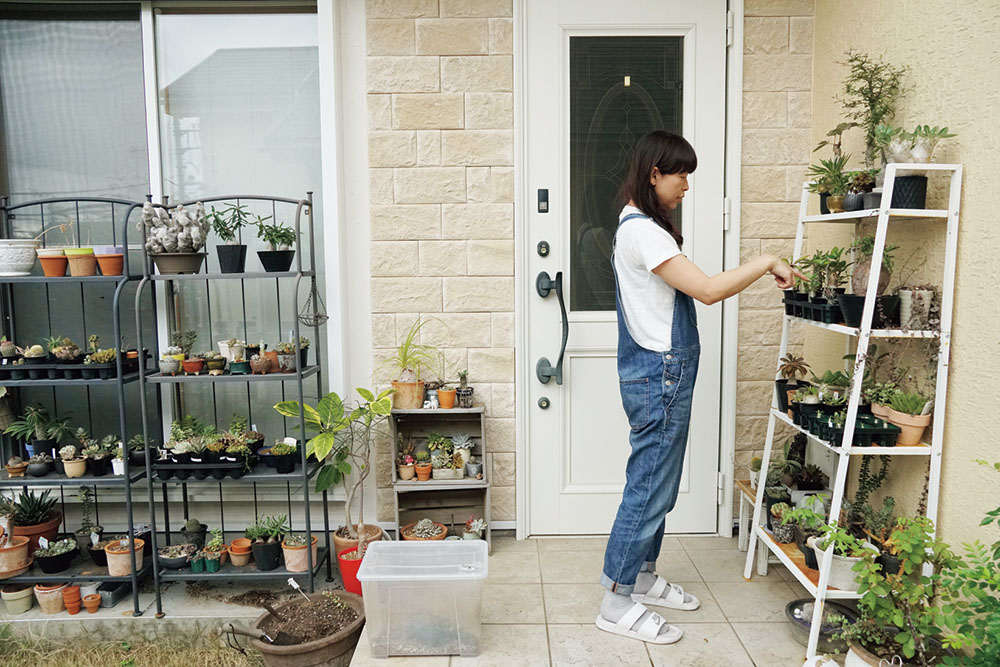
[540,602]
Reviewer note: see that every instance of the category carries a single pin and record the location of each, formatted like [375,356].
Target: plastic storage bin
[424,598]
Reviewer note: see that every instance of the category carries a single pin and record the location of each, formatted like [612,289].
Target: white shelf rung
[871,215]
[801,573]
[902,450]
[876,333]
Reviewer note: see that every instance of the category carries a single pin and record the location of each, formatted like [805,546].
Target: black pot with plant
[285,457]
[266,535]
[279,238]
[194,532]
[792,370]
[852,305]
[227,224]
[57,556]
[39,431]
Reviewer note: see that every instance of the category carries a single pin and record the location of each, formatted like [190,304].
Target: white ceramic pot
[118,466]
[17,256]
[841,574]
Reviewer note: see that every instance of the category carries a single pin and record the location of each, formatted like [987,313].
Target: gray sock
[614,606]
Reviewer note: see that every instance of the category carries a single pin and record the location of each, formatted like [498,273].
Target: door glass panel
[620,88]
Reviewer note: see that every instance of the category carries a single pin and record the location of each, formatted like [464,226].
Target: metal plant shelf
[439,485]
[56,480]
[231,276]
[67,279]
[261,474]
[229,571]
[81,569]
[205,377]
[78,382]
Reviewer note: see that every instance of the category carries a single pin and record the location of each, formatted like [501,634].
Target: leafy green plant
[281,448]
[871,89]
[217,541]
[184,340]
[864,246]
[277,235]
[792,367]
[410,357]
[439,443]
[37,424]
[862,180]
[347,432]
[828,176]
[29,509]
[910,404]
[276,527]
[229,221]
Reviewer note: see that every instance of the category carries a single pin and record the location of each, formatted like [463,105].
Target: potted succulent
[828,178]
[119,555]
[287,357]
[39,431]
[175,556]
[898,145]
[16,467]
[266,535]
[474,529]
[792,369]
[784,533]
[279,239]
[213,560]
[214,362]
[98,455]
[169,363]
[56,556]
[232,348]
[425,529]
[87,532]
[345,436]
[294,551]
[462,444]
[194,532]
[285,456]
[911,413]
[39,465]
[811,478]
[65,350]
[175,239]
[755,464]
[474,468]
[860,186]
[239,366]
[32,516]
[405,462]
[227,224]
[423,465]
[193,365]
[260,365]
[217,546]
[407,361]
[303,351]
[463,393]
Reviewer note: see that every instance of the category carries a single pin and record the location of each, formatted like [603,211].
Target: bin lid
[415,560]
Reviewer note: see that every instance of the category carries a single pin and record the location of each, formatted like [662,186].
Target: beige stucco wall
[441,192]
[953,51]
[777,98]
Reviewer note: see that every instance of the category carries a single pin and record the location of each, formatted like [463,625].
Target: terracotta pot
[296,558]
[120,560]
[111,265]
[54,267]
[406,472]
[75,467]
[47,530]
[446,398]
[15,554]
[911,426]
[372,532]
[334,650]
[50,598]
[223,553]
[82,265]
[92,603]
[272,356]
[192,366]
[71,594]
[240,559]
[424,472]
[408,395]
[880,411]
[443,534]
[73,608]
[240,545]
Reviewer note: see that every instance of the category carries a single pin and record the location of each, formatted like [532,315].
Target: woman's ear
[654,175]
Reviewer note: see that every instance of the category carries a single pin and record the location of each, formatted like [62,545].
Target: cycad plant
[28,509]
[37,424]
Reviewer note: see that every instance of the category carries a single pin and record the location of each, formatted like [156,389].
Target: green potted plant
[792,371]
[473,468]
[852,305]
[463,393]
[293,549]
[39,431]
[287,357]
[423,466]
[279,239]
[57,556]
[345,436]
[860,190]
[216,546]
[285,455]
[784,533]
[266,535]
[462,444]
[408,360]
[194,532]
[474,529]
[176,556]
[32,516]
[405,461]
[909,190]
[871,90]
[911,413]
[87,528]
[227,225]
[39,465]
[175,239]
[828,178]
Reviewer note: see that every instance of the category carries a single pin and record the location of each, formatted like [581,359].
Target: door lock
[543,248]
[544,403]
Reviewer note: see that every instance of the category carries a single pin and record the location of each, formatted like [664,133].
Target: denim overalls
[656,389]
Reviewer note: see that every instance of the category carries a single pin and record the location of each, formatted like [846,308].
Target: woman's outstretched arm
[681,273]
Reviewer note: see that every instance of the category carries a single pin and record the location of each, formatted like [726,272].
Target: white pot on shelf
[17,256]
[842,575]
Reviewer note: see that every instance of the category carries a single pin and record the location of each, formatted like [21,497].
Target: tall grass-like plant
[410,357]
[829,176]
[910,404]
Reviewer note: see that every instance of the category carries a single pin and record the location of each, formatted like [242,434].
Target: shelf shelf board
[14,280]
[876,333]
[55,479]
[79,382]
[439,485]
[795,562]
[871,215]
[476,409]
[82,569]
[228,571]
[902,450]
[205,377]
[254,275]
[260,474]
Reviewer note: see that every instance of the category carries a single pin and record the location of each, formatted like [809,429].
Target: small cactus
[426,529]
[192,525]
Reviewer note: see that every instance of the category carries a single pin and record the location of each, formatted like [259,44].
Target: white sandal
[649,631]
[675,597]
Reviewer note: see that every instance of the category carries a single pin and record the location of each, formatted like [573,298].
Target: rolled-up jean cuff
[611,585]
[648,567]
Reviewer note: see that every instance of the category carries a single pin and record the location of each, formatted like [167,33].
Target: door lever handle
[543,368]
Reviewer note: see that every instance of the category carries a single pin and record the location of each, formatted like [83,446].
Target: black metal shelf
[205,377]
[248,571]
[14,280]
[81,569]
[56,479]
[79,382]
[260,474]
[254,275]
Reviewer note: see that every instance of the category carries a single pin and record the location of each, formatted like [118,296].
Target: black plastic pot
[823,208]
[810,555]
[909,192]
[851,307]
[195,537]
[276,260]
[303,357]
[783,387]
[98,467]
[285,463]
[38,469]
[890,564]
[872,200]
[854,201]
[56,564]
[888,311]
[39,447]
[232,258]
[267,556]
[137,458]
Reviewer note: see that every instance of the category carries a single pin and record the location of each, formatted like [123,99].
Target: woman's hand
[785,275]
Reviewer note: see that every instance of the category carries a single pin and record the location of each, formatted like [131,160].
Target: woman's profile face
[669,188]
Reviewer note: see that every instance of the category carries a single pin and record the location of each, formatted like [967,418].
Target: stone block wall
[777,100]
[441,191]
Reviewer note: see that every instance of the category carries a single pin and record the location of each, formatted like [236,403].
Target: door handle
[543,369]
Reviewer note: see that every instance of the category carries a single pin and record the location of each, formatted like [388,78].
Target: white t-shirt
[647,300]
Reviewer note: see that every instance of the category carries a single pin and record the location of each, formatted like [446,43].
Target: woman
[658,349]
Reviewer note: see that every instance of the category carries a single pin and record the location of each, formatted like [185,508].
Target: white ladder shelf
[816,582]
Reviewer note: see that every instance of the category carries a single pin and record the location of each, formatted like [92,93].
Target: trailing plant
[868,483]
[871,89]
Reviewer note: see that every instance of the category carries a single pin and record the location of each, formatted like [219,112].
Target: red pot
[193,365]
[349,571]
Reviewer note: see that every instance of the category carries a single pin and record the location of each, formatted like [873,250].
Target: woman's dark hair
[671,154]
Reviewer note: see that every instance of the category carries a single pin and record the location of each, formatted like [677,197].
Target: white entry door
[599,75]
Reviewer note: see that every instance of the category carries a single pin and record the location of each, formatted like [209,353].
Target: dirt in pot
[313,619]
